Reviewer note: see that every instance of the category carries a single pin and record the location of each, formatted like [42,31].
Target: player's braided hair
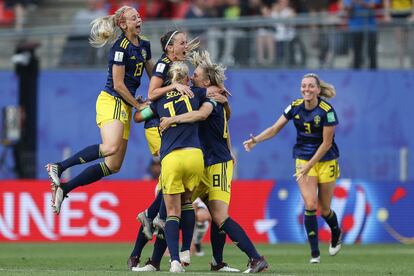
[106,29]
[214,72]
[327,90]
[169,38]
[178,71]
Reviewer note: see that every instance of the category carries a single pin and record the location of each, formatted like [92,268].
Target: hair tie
[168,41]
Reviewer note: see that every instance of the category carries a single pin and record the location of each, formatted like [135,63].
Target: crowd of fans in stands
[277,44]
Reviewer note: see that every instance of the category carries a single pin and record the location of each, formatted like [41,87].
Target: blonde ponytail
[106,29]
[178,72]
[214,72]
[327,90]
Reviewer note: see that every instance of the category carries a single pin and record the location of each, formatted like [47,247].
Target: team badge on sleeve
[288,108]
[331,117]
[119,56]
[160,67]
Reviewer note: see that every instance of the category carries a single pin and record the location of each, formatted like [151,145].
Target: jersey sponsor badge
[331,117]
[119,56]
[160,68]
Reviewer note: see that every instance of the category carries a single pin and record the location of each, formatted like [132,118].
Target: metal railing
[314,42]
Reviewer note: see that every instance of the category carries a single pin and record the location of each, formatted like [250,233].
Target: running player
[316,155]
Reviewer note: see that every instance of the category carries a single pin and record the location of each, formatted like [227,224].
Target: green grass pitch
[285,259]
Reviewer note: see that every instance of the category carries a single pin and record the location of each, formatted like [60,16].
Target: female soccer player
[128,57]
[175,48]
[215,185]
[182,159]
[316,156]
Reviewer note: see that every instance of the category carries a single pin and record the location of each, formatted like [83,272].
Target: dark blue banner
[368,212]
[375,122]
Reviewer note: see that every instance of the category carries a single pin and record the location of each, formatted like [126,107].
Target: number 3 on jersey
[307,128]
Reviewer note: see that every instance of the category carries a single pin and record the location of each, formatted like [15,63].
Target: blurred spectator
[265,44]
[287,43]
[198,9]
[19,8]
[77,50]
[232,11]
[6,14]
[363,28]
[331,37]
[139,5]
[245,55]
[154,169]
[400,12]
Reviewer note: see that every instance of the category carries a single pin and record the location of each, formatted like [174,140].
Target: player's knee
[109,150]
[218,219]
[202,215]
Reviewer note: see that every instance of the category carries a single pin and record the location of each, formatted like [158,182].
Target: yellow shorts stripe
[216,182]
[104,169]
[109,108]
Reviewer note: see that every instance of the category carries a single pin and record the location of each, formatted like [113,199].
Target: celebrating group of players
[187,127]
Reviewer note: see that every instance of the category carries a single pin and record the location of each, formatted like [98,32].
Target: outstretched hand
[250,144]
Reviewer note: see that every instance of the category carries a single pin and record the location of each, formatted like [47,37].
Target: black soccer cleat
[256,265]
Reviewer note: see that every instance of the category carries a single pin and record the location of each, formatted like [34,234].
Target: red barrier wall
[105,211]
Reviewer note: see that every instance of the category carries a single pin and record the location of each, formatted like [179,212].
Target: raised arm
[266,134]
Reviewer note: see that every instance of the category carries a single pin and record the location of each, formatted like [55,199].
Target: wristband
[147,113]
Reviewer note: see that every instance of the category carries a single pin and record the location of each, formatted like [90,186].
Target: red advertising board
[105,211]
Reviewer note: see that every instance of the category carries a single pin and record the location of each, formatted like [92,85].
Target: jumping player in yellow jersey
[316,155]
[130,54]
[215,185]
